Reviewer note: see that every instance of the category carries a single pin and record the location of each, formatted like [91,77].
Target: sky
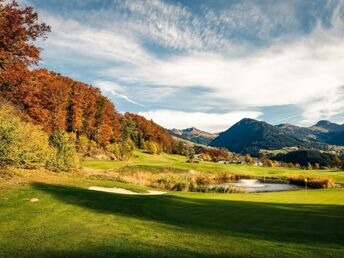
[203,63]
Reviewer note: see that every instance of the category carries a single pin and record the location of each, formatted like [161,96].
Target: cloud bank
[204,62]
[211,122]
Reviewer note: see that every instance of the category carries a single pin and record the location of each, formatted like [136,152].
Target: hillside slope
[327,126]
[194,135]
[58,103]
[249,136]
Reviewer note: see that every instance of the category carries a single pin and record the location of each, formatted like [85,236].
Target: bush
[123,150]
[181,187]
[21,143]
[152,147]
[83,143]
[66,157]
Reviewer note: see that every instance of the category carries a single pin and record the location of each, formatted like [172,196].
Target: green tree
[336,161]
[66,155]
[309,166]
[153,147]
[21,144]
[122,150]
[82,143]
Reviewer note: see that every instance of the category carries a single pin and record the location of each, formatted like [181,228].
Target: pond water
[255,186]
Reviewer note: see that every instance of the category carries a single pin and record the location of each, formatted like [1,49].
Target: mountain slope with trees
[327,126]
[249,136]
[59,104]
[324,132]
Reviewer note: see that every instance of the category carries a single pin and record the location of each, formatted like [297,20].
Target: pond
[255,186]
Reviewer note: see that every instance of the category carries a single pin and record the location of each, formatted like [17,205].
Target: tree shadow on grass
[294,223]
[110,251]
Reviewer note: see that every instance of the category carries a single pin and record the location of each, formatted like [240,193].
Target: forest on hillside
[59,105]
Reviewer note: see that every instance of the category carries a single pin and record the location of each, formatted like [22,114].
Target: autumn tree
[248,159]
[316,166]
[19,29]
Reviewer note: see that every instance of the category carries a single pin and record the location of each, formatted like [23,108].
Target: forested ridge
[58,104]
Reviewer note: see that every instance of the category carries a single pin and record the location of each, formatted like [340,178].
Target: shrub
[21,144]
[66,157]
[181,187]
[152,147]
[83,143]
[123,150]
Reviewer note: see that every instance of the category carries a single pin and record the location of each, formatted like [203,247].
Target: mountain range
[250,136]
[194,135]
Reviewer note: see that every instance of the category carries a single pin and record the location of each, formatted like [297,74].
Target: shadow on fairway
[297,223]
[108,251]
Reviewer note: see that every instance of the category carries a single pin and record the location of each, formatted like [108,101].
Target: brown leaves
[19,28]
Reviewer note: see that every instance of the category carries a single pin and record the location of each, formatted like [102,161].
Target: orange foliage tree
[56,102]
[151,131]
[19,28]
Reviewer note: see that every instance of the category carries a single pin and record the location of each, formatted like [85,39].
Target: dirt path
[123,191]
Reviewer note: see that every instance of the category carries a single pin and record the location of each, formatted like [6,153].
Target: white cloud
[71,38]
[306,71]
[294,73]
[210,122]
[116,90]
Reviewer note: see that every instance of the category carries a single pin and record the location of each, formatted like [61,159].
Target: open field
[179,162]
[71,221]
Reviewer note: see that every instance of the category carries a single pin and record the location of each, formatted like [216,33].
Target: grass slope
[179,162]
[71,221]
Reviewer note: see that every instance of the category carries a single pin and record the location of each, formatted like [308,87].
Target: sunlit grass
[70,220]
[179,162]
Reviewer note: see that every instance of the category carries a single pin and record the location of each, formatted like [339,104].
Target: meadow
[71,221]
[173,162]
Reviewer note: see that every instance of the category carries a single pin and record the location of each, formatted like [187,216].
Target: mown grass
[179,162]
[71,221]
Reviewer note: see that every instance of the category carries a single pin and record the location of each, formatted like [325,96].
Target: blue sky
[205,63]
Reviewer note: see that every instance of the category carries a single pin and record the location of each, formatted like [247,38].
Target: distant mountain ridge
[327,126]
[250,136]
[311,134]
[194,135]
[323,131]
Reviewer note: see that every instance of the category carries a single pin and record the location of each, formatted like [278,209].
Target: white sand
[123,191]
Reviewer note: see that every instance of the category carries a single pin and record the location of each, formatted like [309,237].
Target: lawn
[71,221]
[179,162]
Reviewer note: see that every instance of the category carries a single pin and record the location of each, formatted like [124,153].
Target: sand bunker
[123,191]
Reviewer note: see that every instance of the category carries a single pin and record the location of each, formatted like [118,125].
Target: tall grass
[312,182]
[175,180]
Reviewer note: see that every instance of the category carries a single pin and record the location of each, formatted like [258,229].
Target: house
[234,161]
[223,162]
[198,157]
[258,163]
